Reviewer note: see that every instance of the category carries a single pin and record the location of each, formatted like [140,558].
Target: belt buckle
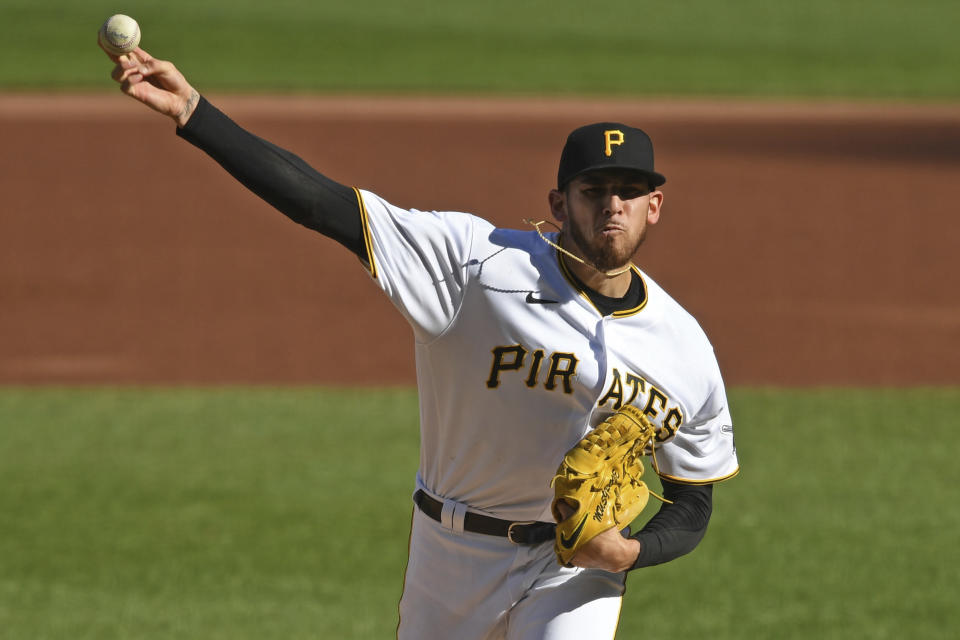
[517,524]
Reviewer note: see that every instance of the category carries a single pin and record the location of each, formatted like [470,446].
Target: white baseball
[120,34]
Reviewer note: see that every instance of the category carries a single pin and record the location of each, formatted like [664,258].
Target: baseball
[120,34]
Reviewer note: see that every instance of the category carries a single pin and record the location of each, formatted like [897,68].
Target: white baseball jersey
[515,364]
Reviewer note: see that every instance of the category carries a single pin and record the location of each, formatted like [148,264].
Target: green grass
[819,48]
[203,514]
[257,513]
[842,524]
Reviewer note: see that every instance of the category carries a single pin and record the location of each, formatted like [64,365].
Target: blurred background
[178,362]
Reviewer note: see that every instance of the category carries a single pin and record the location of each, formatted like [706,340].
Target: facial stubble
[604,255]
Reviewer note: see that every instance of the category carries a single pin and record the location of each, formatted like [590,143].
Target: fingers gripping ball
[120,34]
[600,478]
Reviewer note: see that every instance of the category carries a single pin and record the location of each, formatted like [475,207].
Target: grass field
[256,513]
[819,48]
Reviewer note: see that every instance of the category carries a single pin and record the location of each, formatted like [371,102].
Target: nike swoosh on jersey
[568,543]
[533,300]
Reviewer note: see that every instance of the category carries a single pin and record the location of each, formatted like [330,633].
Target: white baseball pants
[470,586]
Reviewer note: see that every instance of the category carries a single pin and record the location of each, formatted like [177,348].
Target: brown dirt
[816,244]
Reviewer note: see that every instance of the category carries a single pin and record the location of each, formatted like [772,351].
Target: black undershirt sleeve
[676,528]
[281,178]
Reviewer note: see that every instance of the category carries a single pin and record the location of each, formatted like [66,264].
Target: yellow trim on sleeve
[698,482]
[370,263]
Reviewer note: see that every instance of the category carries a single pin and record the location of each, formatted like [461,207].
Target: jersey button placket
[603,359]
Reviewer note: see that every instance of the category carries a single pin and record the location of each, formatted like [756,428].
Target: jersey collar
[583,290]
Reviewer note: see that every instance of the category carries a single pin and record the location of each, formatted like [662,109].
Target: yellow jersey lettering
[654,404]
[638,384]
[656,398]
[564,373]
[671,423]
[535,368]
[503,362]
[615,392]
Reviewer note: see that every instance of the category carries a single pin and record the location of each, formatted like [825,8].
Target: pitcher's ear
[653,209]
[558,204]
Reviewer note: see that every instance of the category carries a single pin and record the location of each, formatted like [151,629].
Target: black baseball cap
[607,145]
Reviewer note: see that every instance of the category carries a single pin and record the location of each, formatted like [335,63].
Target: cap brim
[654,179]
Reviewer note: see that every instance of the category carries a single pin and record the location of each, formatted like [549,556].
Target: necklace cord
[536,225]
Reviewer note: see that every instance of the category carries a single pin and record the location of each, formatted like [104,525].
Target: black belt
[531,532]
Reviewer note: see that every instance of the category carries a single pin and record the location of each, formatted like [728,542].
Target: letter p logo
[612,137]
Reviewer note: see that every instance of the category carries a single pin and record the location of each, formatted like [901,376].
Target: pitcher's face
[605,215]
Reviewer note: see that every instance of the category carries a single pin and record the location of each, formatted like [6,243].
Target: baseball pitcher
[554,377]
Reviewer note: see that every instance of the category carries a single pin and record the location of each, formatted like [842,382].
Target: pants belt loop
[459,516]
[452,516]
[446,514]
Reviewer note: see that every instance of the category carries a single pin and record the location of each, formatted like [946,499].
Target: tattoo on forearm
[189,106]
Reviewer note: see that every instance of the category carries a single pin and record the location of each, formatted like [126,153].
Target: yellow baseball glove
[600,479]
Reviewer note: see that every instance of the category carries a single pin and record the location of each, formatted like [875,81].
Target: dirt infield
[817,245]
